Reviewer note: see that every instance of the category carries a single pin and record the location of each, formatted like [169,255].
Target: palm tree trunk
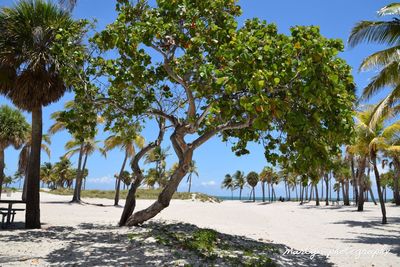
[254,194]
[396,193]
[79,172]
[316,195]
[32,214]
[269,192]
[326,178]
[190,182]
[360,183]
[295,188]
[240,193]
[379,188]
[354,178]
[2,166]
[263,191]
[116,198]
[322,188]
[311,191]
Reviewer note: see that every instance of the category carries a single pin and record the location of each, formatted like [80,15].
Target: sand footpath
[77,234]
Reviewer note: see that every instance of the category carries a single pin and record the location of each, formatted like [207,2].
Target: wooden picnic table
[10,211]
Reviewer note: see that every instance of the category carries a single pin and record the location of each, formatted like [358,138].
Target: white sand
[322,229]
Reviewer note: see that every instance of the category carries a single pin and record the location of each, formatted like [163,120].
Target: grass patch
[208,247]
[140,194]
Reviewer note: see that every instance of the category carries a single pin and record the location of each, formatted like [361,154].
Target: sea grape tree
[188,65]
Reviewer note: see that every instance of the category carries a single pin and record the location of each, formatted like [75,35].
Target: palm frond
[381,58]
[382,32]
[391,9]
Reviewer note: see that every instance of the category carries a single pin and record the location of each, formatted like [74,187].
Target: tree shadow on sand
[389,236]
[106,245]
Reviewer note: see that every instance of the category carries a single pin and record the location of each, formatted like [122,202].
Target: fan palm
[13,132]
[127,142]
[240,182]
[86,149]
[388,60]
[30,74]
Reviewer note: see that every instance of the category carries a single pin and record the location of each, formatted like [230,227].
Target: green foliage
[14,127]
[251,81]
[252,179]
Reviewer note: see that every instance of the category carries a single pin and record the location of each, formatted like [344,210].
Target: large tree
[13,132]
[212,78]
[30,63]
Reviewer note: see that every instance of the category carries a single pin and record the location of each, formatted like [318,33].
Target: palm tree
[127,141]
[192,170]
[252,179]
[240,182]
[74,146]
[264,177]
[13,132]
[30,74]
[228,183]
[46,174]
[63,172]
[387,61]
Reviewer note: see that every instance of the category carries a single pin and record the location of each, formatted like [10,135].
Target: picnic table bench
[8,214]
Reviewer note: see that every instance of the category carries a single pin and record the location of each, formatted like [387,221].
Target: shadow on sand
[105,245]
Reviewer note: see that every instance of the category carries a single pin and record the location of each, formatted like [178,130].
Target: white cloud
[102,180]
[209,183]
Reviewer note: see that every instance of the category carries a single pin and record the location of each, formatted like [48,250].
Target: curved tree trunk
[116,198]
[166,194]
[32,214]
[2,166]
[78,181]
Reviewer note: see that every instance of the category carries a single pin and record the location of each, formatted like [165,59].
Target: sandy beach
[86,235]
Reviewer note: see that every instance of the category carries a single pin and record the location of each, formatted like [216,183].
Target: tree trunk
[263,191]
[396,193]
[240,193]
[311,192]
[2,166]
[316,195]
[32,214]
[76,197]
[360,182]
[379,188]
[130,202]
[116,198]
[166,194]
[269,192]
[354,176]
[346,200]
[254,194]
[190,182]
[295,188]
[322,188]
[326,178]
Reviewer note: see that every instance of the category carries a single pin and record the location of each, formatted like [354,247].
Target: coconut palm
[387,61]
[228,183]
[63,172]
[13,132]
[240,182]
[158,156]
[264,176]
[47,175]
[74,147]
[192,170]
[252,179]
[30,74]
[126,141]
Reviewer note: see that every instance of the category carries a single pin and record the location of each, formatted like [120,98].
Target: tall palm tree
[74,146]
[30,74]
[63,172]
[228,183]
[47,175]
[240,182]
[387,61]
[264,177]
[252,179]
[13,132]
[192,170]
[127,142]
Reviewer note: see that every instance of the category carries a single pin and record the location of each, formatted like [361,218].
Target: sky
[215,159]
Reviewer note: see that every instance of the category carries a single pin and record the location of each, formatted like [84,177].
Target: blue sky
[214,159]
